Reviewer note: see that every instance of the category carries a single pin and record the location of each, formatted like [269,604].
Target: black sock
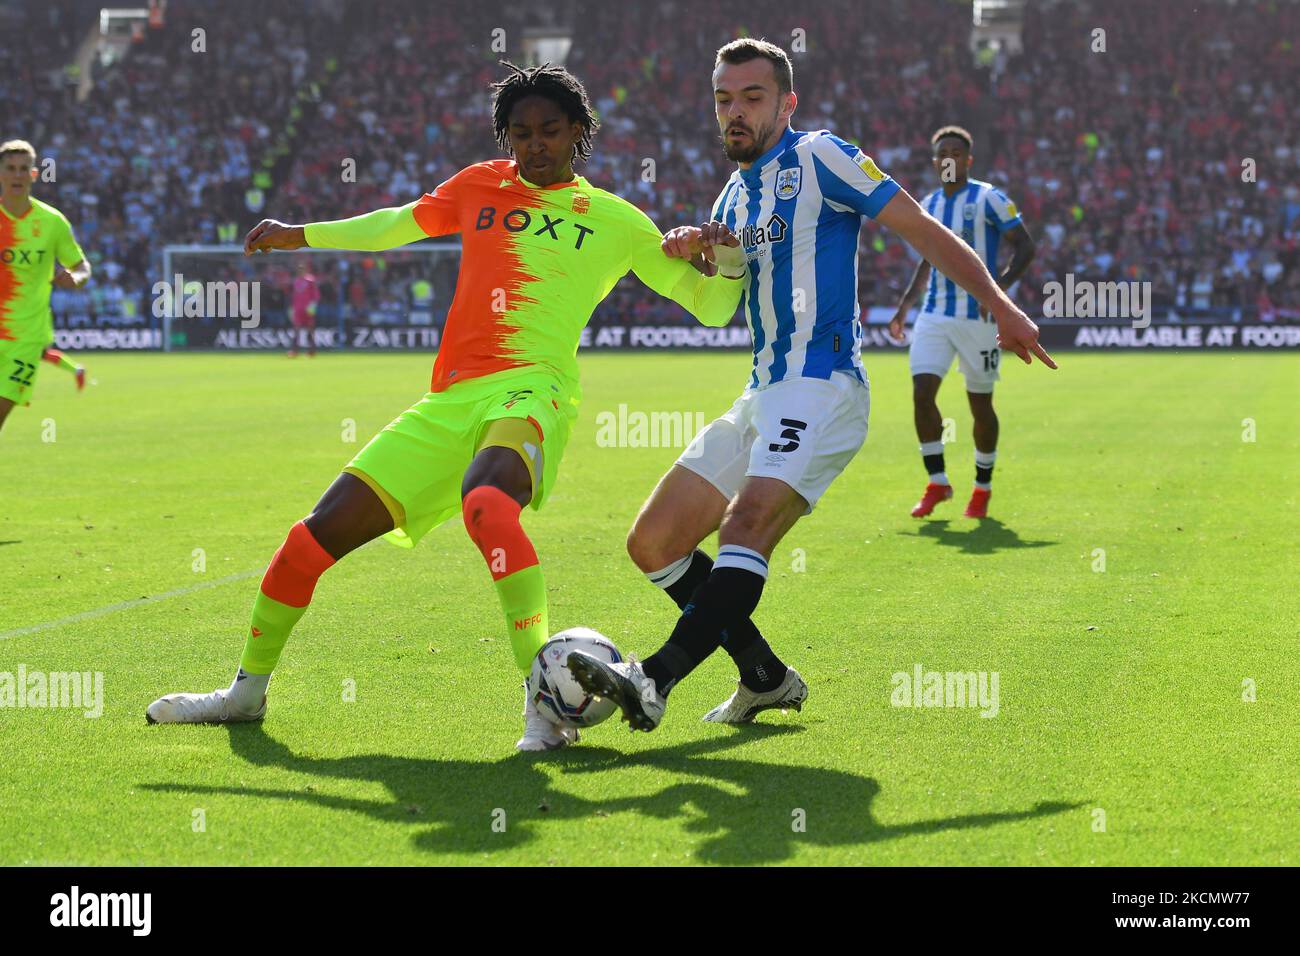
[933,463]
[727,597]
[760,669]
[696,573]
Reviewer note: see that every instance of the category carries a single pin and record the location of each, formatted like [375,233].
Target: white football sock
[247,690]
[667,577]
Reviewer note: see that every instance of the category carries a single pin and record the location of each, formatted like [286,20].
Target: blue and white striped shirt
[979,213]
[798,210]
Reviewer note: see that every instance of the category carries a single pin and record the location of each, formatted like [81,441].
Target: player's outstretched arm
[956,260]
[667,265]
[269,234]
[371,232]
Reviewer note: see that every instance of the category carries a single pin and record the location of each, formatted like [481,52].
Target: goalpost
[213,296]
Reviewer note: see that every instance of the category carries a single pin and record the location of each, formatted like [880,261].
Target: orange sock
[492,520]
[296,567]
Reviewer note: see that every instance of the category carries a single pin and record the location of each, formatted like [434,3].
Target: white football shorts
[804,431]
[936,339]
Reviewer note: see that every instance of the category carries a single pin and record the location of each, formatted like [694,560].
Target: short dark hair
[957,132]
[556,84]
[747,48]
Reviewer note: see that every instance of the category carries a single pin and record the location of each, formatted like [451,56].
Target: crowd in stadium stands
[165,148]
[1127,163]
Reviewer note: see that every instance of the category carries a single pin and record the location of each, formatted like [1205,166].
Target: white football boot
[625,684]
[742,706]
[213,708]
[542,733]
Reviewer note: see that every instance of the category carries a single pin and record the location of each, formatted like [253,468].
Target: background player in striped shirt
[952,323]
[797,200]
[37,252]
[541,247]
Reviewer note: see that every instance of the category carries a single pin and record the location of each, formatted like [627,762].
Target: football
[553,688]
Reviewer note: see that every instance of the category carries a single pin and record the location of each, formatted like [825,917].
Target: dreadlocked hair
[553,82]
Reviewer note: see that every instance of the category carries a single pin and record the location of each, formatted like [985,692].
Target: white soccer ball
[551,684]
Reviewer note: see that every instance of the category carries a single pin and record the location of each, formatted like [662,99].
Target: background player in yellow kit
[35,238]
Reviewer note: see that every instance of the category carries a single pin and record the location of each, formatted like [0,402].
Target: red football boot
[933,495]
[80,373]
[979,503]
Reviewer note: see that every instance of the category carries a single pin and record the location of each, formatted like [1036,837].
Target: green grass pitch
[1126,732]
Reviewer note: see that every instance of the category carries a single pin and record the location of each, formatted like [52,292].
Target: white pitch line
[122,606]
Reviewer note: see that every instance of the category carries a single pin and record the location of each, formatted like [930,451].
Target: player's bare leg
[5,406]
[761,515]
[986,450]
[929,431]
[347,516]
[752,525]
[497,486]
[682,511]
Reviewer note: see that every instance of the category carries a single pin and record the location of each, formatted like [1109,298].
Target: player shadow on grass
[988,536]
[750,819]
[747,810]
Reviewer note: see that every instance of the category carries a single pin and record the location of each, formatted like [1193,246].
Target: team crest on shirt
[968,211]
[581,203]
[788,182]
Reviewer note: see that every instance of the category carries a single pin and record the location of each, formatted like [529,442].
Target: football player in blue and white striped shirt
[952,323]
[797,201]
